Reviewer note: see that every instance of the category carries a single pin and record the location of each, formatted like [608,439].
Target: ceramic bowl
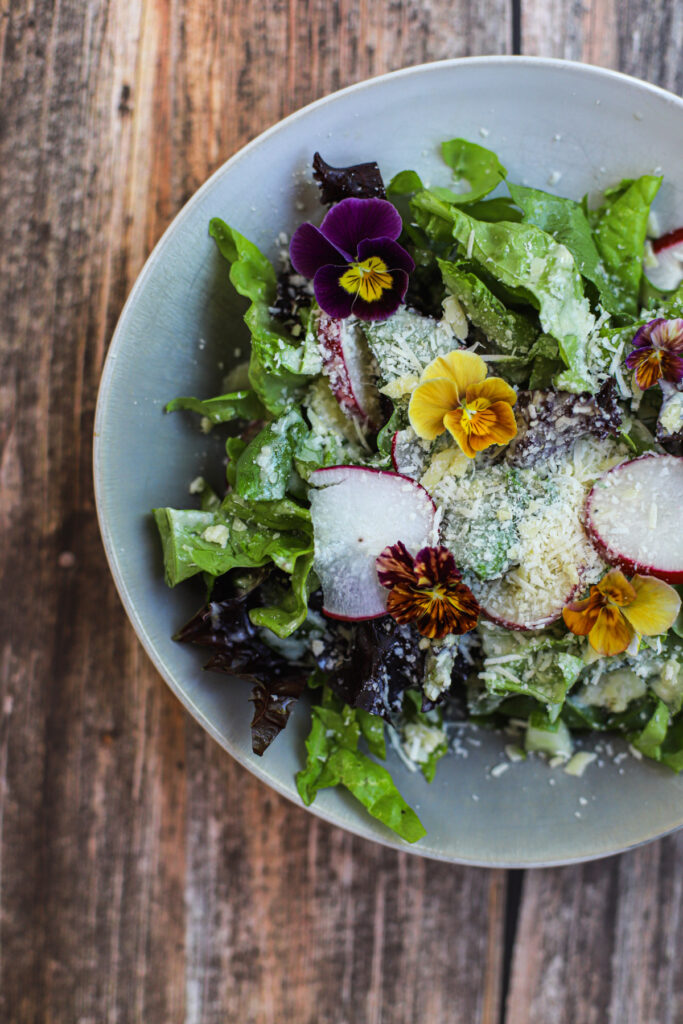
[565,127]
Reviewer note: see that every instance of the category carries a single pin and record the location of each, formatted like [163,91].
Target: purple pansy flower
[657,351]
[354,259]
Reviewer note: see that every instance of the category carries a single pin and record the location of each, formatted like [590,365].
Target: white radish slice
[634,516]
[407,455]
[348,365]
[664,261]
[356,513]
[516,604]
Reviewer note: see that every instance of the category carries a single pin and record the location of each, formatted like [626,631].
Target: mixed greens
[450,392]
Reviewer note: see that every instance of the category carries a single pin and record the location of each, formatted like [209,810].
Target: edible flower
[456,395]
[354,259]
[657,351]
[427,590]
[616,610]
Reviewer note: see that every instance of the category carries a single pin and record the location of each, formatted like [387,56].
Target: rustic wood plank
[305,923]
[639,38]
[597,944]
[143,875]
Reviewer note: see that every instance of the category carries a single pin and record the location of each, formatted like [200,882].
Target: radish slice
[633,516]
[664,260]
[407,454]
[515,604]
[356,513]
[348,364]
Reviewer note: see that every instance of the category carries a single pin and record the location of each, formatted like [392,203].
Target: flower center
[367,279]
[476,417]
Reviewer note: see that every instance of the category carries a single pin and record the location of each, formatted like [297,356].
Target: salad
[453,480]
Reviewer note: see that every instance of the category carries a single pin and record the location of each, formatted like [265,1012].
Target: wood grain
[144,876]
[639,38]
[599,943]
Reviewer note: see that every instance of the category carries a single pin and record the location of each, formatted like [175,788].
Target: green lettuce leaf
[509,330]
[332,440]
[234,446]
[405,183]
[546,364]
[472,166]
[265,466]
[534,268]
[566,221]
[243,405]
[244,535]
[672,745]
[494,210]
[541,666]
[248,535]
[279,366]
[372,731]
[619,229]
[290,612]
[672,304]
[333,759]
[649,740]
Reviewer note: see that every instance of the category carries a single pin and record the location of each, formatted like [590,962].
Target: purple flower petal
[393,254]
[672,368]
[643,337]
[330,295]
[636,356]
[352,220]
[309,250]
[668,334]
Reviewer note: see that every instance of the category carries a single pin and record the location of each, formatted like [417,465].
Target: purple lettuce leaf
[371,664]
[362,181]
[223,626]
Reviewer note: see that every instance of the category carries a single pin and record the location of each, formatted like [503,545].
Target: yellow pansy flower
[616,610]
[456,395]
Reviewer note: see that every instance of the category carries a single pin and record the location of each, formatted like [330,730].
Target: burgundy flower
[354,259]
[427,590]
[656,355]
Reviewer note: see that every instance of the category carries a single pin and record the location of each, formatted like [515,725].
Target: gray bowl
[544,118]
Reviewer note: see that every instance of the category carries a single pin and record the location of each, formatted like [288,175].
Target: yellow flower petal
[581,616]
[453,421]
[463,368]
[367,279]
[429,404]
[617,588]
[611,634]
[495,389]
[655,607]
[504,425]
[478,426]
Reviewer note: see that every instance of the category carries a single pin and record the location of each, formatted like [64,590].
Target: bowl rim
[355,827]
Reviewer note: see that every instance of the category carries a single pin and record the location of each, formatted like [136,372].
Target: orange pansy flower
[427,590]
[455,395]
[616,610]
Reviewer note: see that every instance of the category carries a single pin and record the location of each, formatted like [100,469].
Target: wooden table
[144,876]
